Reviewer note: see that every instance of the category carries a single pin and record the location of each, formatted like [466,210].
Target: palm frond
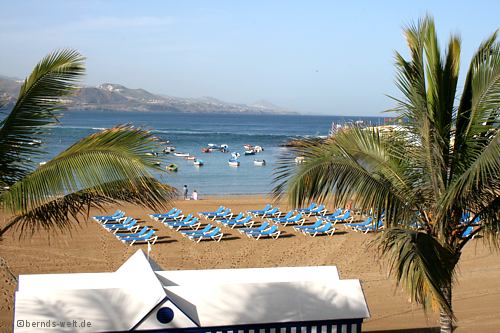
[478,109]
[63,213]
[109,165]
[356,165]
[420,264]
[37,105]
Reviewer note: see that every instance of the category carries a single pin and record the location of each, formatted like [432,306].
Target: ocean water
[191,132]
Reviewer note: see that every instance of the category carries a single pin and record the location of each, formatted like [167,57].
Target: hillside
[116,97]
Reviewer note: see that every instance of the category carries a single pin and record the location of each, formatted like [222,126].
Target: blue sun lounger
[365,223]
[310,226]
[262,227]
[284,218]
[163,215]
[117,215]
[172,217]
[371,227]
[275,212]
[467,232]
[247,221]
[308,209]
[149,237]
[342,218]
[232,219]
[319,210]
[260,211]
[325,229]
[187,233]
[141,232]
[215,234]
[272,232]
[193,224]
[225,214]
[297,219]
[333,215]
[185,219]
[128,225]
[205,214]
[124,222]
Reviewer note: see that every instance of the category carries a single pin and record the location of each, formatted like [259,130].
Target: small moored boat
[198,162]
[259,162]
[299,159]
[179,154]
[206,150]
[171,167]
[233,162]
[168,149]
[213,146]
[190,157]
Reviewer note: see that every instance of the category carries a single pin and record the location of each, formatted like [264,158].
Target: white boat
[213,146]
[259,162]
[299,159]
[258,149]
[235,155]
[190,157]
[179,154]
[249,152]
[197,162]
[234,162]
[168,149]
[247,147]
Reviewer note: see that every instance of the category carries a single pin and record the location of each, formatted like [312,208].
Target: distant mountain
[116,97]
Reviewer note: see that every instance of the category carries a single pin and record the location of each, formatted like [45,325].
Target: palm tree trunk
[445,319]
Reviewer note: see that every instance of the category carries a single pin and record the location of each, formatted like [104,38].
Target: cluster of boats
[213,147]
[224,148]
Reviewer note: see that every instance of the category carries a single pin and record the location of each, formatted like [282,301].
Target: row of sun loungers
[126,229]
[189,225]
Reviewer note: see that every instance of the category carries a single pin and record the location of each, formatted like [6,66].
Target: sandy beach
[89,248]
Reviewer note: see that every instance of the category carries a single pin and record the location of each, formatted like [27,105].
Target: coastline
[89,248]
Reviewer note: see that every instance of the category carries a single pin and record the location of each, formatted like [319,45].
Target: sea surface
[191,132]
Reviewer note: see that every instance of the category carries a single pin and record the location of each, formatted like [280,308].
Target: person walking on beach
[194,196]
[185,192]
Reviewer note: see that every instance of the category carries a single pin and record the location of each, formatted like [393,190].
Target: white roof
[109,301]
[248,275]
[130,298]
[259,303]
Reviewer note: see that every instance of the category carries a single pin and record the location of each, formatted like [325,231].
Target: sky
[314,57]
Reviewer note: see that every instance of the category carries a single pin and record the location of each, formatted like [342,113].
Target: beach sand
[89,248]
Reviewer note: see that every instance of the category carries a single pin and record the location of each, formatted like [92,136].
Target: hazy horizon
[315,58]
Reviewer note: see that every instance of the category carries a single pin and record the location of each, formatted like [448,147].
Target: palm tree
[106,167]
[439,167]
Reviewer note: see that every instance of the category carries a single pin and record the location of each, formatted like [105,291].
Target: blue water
[190,132]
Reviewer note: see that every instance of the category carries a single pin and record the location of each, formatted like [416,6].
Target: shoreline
[89,248]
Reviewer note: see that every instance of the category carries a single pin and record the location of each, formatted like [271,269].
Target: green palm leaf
[442,163]
[38,104]
[108,166]
[358,165]
[421,265]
